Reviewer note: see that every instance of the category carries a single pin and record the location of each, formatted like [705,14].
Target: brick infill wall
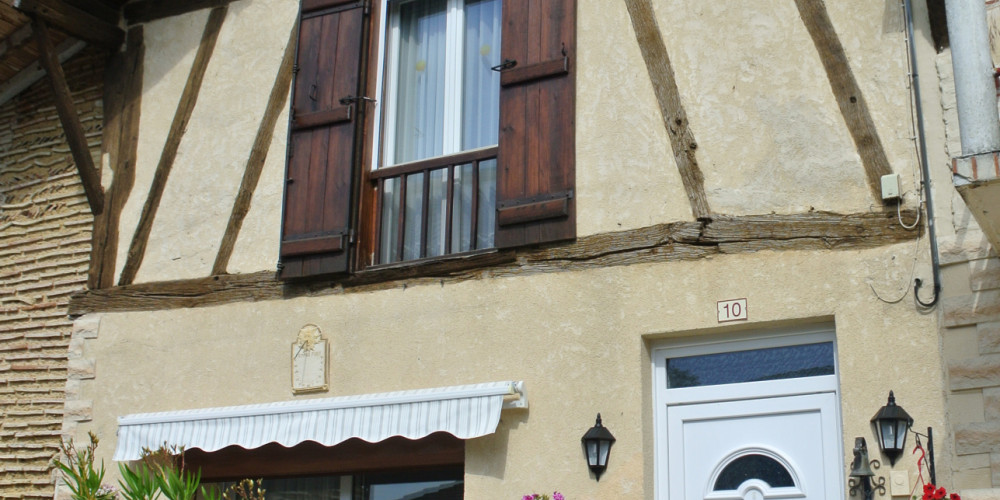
[45,231]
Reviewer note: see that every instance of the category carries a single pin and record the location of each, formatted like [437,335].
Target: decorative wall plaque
[309,361]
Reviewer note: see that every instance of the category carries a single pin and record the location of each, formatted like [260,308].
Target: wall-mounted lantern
[597,446]
[891,424]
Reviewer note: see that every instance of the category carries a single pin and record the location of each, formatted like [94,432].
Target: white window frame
[388,65]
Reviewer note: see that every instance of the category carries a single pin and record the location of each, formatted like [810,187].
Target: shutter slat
[535,172]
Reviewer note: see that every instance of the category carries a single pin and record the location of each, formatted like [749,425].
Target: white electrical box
[890,187]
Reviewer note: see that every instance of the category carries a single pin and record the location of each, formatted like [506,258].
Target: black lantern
[597,445]
[891,424]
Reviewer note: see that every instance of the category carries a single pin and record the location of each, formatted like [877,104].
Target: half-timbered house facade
[411,248]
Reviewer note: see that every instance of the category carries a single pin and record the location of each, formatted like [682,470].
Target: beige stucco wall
[580,340]
[770,135]
[771,139]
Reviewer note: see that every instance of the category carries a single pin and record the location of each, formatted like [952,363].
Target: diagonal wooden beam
[122,99]
[668,96]
[89,176]
[845,89]
[73,21]
[258,154]
[189,96]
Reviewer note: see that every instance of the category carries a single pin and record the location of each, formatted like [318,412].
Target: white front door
[785,447]
[749,419]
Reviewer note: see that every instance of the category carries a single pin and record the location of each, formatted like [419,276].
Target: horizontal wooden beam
[75,22]
[144,11]
[98,9]
[678,241]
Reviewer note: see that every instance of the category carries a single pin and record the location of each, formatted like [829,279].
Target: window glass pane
[437,212]
[487,203]
[414,216]
[300,488]
[773,363]
[389,237]
[420,80]
[422,490]
[461,216]
[754,466]
[480,84]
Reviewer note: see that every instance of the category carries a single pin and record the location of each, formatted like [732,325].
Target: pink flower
[557,496]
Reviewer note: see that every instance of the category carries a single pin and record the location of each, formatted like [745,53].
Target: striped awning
[466,411]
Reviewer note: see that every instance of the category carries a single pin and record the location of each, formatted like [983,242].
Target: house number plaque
[732,310]
[309,361]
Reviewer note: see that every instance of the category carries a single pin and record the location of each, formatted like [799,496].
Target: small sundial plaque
[309,361]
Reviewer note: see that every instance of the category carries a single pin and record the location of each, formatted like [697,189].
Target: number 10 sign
[732,310]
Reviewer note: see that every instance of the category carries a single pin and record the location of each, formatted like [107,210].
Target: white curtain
[480,84]
[420,80]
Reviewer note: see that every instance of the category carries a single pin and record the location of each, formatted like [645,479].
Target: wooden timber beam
[89,176]
[847,92]
[668,96]
[258,154]
[73,21]
[189,96]
[679,241]
[122,100]
[144,11]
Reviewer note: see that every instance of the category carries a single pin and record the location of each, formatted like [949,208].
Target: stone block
[991,404]
[977,438]
[87,326]
[995,468]
[75,348]
[972,308]
[989,337]
[980,494]
[985,274]
[79,410]
[964,247]
[975,373]
[81,369]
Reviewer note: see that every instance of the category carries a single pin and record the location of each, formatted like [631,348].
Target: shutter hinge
[295,69]
[350,237]
[367,4]
[351,99]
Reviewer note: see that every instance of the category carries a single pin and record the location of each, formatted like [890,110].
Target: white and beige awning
[466,411]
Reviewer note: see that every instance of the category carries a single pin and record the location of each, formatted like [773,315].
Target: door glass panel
[753,466]
[773,363]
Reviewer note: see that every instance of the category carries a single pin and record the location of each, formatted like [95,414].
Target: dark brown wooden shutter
[535,174]
[316,224]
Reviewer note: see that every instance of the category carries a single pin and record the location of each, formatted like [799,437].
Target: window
[405,144]
[442,98]
[394,469]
